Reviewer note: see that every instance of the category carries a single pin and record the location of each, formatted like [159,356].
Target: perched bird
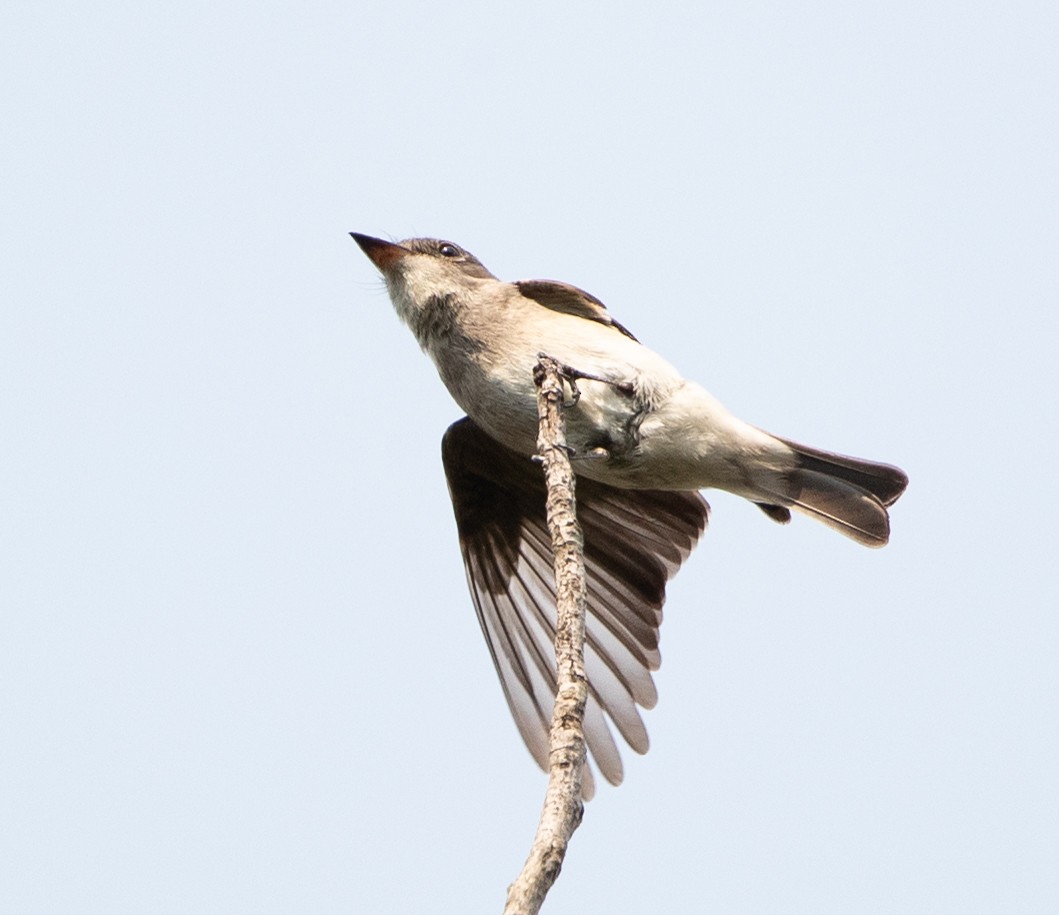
[644,441]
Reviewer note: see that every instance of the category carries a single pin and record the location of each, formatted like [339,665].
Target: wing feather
[569,300]
[634,542]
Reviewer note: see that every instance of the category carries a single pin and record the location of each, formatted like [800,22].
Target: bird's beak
[383,254]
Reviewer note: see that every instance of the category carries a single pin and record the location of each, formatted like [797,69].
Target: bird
[643,442]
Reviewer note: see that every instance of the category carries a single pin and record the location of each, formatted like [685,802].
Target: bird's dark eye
[447,250]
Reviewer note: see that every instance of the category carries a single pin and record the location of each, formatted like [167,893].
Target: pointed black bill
[383,254]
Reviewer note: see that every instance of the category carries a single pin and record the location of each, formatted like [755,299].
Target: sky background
[239,669]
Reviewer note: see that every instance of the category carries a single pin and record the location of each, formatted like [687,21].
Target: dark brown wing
[634,542]
[569,300]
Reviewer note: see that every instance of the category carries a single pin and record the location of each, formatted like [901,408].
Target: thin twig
[563,807]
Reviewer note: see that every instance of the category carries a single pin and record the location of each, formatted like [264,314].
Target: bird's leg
[572,376]
[593,454]
[570,453]
[598,453]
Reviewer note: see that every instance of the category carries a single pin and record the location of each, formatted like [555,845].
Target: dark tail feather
[884,481]
[848,494]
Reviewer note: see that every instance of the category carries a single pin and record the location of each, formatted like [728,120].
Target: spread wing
[635,540]
[569,300]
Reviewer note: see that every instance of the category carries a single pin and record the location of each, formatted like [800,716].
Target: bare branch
[563,807]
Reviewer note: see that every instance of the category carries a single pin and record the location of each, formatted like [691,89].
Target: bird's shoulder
[568,299]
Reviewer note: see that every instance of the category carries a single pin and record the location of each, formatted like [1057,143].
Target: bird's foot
[570,453]
[571,376]
[593,454]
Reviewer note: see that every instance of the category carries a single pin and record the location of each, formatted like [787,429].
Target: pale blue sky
[239,669]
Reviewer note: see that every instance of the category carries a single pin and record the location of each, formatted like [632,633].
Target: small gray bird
[644,441]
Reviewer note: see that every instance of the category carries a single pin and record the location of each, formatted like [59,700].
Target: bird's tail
[848,494]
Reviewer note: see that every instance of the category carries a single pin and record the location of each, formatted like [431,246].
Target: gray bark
[563,807]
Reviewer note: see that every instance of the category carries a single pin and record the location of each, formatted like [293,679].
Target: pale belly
[667,434]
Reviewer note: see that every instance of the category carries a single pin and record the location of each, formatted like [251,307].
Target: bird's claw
[575,391]
[570,453]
